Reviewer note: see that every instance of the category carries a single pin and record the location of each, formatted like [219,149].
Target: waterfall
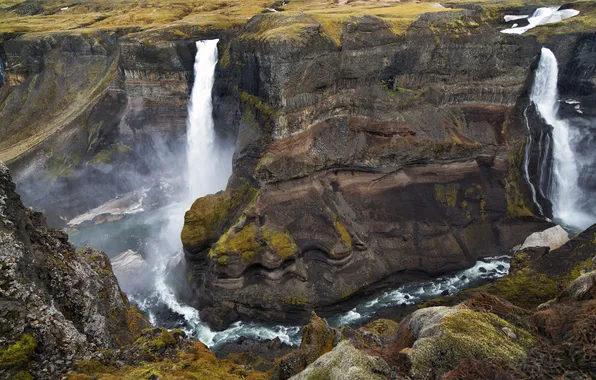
[565,193]
[209,161]
[209,167]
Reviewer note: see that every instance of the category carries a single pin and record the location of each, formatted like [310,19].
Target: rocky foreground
[64,315]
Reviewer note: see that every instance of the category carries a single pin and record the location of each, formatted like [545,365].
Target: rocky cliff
[57,302]
[98,114]
[362,161]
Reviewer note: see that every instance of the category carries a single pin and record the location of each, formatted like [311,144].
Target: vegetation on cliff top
[85,16]
[51,15]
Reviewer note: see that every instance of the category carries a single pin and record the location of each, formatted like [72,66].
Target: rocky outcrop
[376,159]
[345,361]
[552,238]
[436,339]
[57,302]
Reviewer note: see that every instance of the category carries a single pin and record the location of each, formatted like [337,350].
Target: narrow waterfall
[209,161]
[209,167]
[564,192]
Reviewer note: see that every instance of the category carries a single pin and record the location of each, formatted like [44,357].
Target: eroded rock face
[113,119]
[385,160]
[57,303]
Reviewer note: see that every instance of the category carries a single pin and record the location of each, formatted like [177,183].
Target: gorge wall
[363,161]
[364,158]
[97,114]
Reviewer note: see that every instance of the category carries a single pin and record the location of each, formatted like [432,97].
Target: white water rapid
[565,192]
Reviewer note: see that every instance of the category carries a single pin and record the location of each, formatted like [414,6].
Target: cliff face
[57,303]
[368,160]
[97,114]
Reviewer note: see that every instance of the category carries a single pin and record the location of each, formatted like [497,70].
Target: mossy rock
[194,362]
[251,241]
[209,215]
[18,354]
[538,275]
[467,334]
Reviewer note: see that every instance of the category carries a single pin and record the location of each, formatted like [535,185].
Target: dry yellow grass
[87,15]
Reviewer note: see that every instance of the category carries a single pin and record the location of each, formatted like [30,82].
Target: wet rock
[482,270]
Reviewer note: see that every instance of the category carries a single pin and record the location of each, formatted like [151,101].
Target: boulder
[582,288]
[441,337]
[553,238]
[317,339]
[346,362]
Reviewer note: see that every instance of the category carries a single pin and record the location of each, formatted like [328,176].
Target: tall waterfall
[209,161]
[565,192]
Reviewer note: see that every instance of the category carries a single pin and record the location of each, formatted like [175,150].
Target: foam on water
[413,293]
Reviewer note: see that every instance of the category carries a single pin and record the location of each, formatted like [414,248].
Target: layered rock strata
[361,162]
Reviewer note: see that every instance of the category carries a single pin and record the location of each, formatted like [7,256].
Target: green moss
[18,354]
[164,340]
[447,195]
[468,334]
[517,205]
[22,375]
[244,243]
[296,300]
[92,367]
[209,214]
[526,288]
[109,154]
[343,233]
[281,243]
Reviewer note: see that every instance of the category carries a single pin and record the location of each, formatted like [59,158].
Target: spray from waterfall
[565,192]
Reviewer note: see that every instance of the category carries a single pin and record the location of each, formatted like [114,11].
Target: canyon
[370,152]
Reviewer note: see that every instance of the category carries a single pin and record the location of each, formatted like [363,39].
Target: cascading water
[565,193]
[209,161]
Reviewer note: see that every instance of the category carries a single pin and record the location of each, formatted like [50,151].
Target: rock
[509,333]
[57,301]
[553,238]
[317,339]
[438,183]
[482,270]
[131,270]
[582,288]
[346,362]
[440,337]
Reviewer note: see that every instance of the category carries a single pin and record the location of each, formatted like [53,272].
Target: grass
[84,15]
[90,16]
